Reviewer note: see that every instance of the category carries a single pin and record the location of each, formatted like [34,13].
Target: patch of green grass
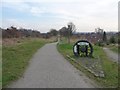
[15,59]
[66,48]
[110,68]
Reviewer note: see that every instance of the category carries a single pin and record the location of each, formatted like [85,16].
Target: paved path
[48,69]
[112,55]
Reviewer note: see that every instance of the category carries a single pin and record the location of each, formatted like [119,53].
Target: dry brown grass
[10,41]
[15,41]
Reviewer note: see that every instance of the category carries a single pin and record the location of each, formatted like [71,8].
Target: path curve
[112,55]
[48,69]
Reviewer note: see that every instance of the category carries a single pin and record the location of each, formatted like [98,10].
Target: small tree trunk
[69,36]
[69,39]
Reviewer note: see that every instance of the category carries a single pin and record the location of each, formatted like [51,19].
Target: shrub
[112,40]
[100,43]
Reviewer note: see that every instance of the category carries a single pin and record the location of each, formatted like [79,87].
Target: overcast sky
[43,15]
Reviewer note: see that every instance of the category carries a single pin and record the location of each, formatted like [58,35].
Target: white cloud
[36,11]
[46,1]
[20,6]
[86,14]
[13,22]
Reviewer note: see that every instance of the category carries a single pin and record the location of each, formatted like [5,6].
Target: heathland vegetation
[20,44]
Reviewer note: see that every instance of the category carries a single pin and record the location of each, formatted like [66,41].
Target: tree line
[13,32]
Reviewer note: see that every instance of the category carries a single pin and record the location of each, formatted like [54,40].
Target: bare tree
[71,29]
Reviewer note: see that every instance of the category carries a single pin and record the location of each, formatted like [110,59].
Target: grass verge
[15,58]
[110,68]
[114,48]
